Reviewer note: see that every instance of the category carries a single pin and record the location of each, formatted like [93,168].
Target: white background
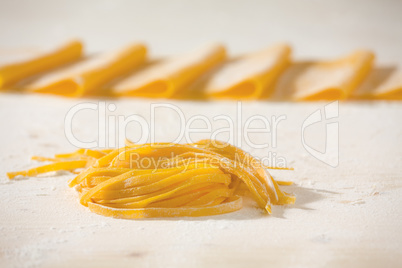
[314,28]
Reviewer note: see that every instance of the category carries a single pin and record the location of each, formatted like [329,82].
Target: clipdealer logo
[327,116]
[112,129]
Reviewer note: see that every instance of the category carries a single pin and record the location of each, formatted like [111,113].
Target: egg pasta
[166,180]
[325,80]
[171,76]
[91,74]
[251,76]
[13,72]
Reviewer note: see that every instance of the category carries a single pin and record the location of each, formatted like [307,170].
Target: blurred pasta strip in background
[204,73]
[91,74]
[382,83]
[329,80]
[22,66]
[169,77]
[251,76]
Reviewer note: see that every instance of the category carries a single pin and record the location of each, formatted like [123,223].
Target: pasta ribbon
[330,80]
[91,74]
[382,83]
[14,72]
[169,77]
[167,180]
[251,76]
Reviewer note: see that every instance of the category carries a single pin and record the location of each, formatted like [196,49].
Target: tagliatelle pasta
[168,77]
[91,74]
[13,72]
[166,180]
[251,76]
[330,80]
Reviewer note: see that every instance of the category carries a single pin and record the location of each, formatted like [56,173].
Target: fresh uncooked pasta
[325,80]
[251,76]
[166,180]
[91,74]
[382,83]
[13,72]
[170,76]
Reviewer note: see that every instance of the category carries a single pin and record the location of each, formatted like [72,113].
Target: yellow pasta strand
[199,179]
[233,204]
[68,165]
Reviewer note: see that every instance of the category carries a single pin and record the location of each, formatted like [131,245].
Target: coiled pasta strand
[166,180]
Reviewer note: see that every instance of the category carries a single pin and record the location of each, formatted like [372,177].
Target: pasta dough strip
[382,83]
[91,74]
[12,73]
[251,76]
[171,76]
[330,80]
